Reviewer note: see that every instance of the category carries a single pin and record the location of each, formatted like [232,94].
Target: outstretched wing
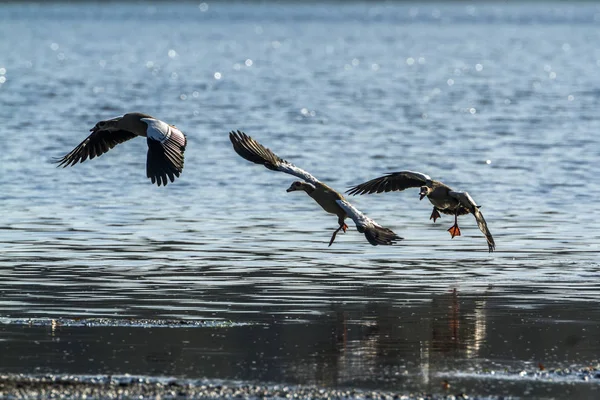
[166,145]
[95,145]
[467,201]
[394,181]
[375,233]
[255,152]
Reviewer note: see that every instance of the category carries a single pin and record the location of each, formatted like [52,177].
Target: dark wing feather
[95,145]
[395,181]
[255,152]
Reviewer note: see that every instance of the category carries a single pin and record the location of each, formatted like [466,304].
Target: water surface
[497,100]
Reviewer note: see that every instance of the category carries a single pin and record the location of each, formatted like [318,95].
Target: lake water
[499,100]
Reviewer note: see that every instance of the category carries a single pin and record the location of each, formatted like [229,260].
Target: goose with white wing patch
[443,198]
[166,144]
[330,200]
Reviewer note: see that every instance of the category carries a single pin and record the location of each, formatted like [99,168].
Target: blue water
[498,100]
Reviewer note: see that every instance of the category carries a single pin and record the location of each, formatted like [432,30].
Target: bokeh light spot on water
[172,53]
[450,82]
[54,46]
[2,71]
[203,7]
[375,67]
[478,67]
[410,61]
[248,62]
[552,75]
[472,110]
[2,79]
[217,75]
[570,97]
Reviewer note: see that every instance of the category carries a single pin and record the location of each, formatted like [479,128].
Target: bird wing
[467,201]
[375,233]
[96,144]
[166,145]
[255,152]
[394,181]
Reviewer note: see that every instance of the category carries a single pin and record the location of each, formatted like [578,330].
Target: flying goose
[443,198]
[166,144]
[330,200]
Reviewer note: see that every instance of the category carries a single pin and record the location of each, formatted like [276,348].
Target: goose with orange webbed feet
[330,200]
[443,198]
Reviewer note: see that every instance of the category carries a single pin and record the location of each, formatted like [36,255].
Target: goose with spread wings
[166,144]
[330,200]
[443,198]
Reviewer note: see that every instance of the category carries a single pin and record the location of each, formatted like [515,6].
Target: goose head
[297,185]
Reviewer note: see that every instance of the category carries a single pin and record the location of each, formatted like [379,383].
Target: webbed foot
[454,231]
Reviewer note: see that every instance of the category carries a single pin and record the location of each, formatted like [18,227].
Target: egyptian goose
[330,200]
[166,144]
[443,198]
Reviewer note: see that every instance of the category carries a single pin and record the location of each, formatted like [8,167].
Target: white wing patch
[465,198]
[157,129]
[360,219]
[291,169]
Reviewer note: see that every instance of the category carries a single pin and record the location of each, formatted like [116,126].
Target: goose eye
[101,124]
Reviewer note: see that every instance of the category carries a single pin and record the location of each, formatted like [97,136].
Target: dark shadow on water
[477,343]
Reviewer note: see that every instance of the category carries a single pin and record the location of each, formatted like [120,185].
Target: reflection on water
[497,100]
[377,344]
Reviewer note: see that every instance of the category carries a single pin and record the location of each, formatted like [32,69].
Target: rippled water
[498,100]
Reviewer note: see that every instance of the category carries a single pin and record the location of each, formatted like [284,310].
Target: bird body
[330,200]
[444,199]
[166,144]
[326,197]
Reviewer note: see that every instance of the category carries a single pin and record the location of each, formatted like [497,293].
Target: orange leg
[454,229]
[435,214]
